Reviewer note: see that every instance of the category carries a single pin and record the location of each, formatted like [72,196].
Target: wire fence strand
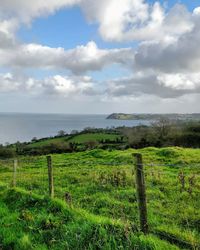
[109,188]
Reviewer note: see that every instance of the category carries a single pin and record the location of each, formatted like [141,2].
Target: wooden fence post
[15,163]
[141,193]
[50,176]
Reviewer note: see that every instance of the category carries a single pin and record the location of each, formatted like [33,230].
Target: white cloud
[68,86]
[26,10]
[166,63]
[57,85]
[180,81]
[196,11]
[7,33]
[78,60]
[118,20]
[60,85]
[128,20]
[13,83]
[113,16]
[179,56]
[164,86]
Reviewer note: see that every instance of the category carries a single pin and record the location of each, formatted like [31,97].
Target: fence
[165,195]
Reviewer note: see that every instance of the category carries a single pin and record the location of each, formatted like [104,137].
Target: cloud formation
[165,63]
[137,20]
[121,20]
[78,60]
[57,85]
[163,86]
[25,10]
[182,55]
[7,33]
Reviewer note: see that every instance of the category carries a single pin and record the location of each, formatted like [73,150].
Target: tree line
[162,133]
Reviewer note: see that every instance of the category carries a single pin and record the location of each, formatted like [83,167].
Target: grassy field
[33,222]
[80,138]
[102,211]
[69,143]
[48,141]
[93,137]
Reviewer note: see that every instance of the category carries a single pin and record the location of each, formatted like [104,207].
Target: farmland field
[48,141]
[102,211]
[80,138]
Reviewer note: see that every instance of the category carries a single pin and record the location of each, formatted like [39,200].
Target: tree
[34,139]
[162,127]
[61,133]
[91,144]
[74,132]
[6,152]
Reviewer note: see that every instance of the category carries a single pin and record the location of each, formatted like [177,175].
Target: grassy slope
[93,137]
[33,222]
[78,139]
[173,215]
[48,141]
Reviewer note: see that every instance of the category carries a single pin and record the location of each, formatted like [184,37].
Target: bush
[6,152]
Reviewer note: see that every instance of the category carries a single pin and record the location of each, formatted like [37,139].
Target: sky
[99,57]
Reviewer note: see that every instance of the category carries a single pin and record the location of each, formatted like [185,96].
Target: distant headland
[174,116]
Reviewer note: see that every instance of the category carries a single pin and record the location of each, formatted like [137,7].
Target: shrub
[6,152]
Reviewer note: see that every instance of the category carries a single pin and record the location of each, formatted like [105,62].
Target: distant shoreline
[23,127]
[172,116]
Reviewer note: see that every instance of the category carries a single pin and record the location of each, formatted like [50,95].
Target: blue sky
[68,28]
[105,56]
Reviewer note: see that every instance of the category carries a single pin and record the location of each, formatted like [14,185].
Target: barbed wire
[38,168]
[32,177]
[67,161]
[83,166]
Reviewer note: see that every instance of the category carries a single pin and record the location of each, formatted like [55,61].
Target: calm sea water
[23,127]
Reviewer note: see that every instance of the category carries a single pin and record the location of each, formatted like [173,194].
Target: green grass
[80,138]
[33,222]
[48,141]
[93,137]
[101,184]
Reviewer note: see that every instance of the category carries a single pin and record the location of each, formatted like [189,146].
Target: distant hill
[123,116]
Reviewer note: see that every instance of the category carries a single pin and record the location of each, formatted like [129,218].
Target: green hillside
[79,138]
[93,137]
[33,222]
[102,212]
[48,141]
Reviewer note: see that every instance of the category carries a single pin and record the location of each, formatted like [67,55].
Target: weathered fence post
[15,163]
[50,176]
[141,193]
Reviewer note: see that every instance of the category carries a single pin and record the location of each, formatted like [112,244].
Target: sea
[23,127]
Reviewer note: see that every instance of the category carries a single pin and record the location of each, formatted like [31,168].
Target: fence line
[40,175]
[68,162]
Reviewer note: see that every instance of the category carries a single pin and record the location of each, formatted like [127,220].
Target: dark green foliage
[7,152]
[164,133]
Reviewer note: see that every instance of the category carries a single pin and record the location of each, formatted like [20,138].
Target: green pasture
[80,138]
[102,211]
[48,141]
